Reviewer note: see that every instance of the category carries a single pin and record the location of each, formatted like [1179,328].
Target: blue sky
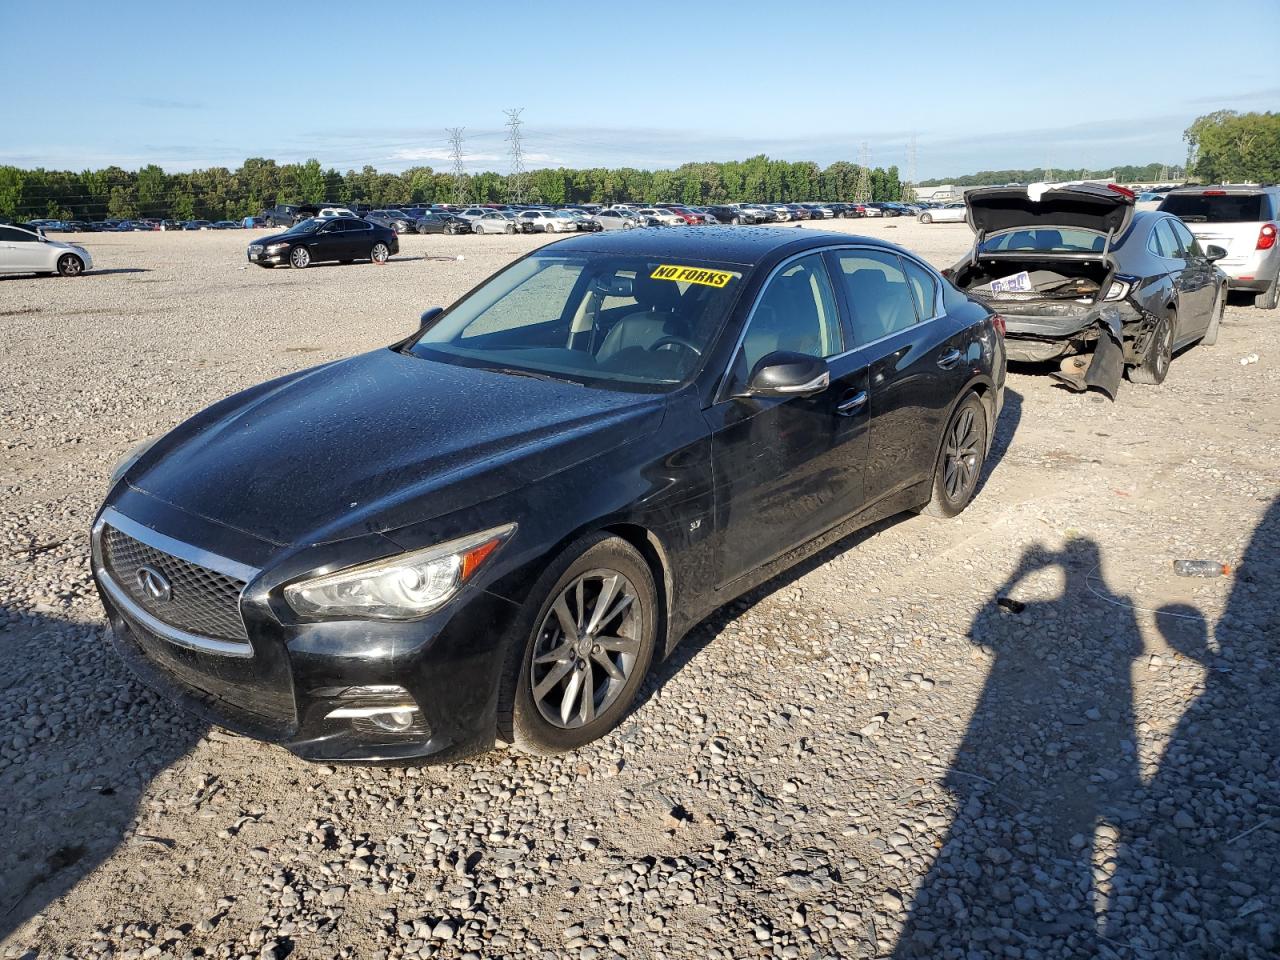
[187,85]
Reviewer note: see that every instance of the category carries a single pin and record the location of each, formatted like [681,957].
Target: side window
[1155,243]
[1168,240]
[879,294]
[9,235]
[924,286]
[1186,240]
[796,312]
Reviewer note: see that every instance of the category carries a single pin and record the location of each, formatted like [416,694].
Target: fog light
[372,709]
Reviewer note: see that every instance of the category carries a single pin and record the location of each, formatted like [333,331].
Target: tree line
[217,193]
[1222,147]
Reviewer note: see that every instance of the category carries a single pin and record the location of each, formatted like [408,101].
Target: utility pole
[863,191]
[909,188]
[459,172]
[515,182]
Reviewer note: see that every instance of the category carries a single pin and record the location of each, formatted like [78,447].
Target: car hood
[283,237]
[1089,206]
[378,441]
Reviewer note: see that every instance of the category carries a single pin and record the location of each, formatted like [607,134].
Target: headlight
[129,459]
[277,247]
[1118,290]
[399,588]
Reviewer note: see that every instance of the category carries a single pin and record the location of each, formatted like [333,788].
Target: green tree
[122,206]
[1230,147]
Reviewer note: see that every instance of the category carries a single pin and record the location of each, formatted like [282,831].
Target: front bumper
[283,686]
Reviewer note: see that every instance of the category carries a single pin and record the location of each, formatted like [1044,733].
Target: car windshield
[1045,240]
[305,226]
[1219,208]
[628,321]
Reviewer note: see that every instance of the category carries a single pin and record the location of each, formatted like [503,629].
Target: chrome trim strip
[193,641]
[177,548]
[226,648]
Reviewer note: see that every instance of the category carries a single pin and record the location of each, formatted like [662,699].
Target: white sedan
[22,251]
[547,221]
[948,213]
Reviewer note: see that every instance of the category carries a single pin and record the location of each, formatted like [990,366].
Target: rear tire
[1154,365]
[69,265]
[926,218]
[626,638]
[380,253]
[1268,299]
[960,461]
[1219,308]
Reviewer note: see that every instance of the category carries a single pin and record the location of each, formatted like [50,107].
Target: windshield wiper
[537,375]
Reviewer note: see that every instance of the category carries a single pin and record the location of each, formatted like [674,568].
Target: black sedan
[492,529]
[317,240]
[1080,277]
[440,221]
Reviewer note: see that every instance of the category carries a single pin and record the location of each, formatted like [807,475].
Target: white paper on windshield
[1016,283]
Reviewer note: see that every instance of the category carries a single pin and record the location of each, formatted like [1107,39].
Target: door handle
[853,404]
[949,359]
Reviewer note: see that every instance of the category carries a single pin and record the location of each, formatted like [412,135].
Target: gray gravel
[867,757]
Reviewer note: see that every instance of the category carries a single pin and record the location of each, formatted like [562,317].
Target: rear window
[1227,208]
[1045,240]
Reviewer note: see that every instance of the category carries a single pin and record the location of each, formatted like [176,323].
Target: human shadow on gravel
[1196,876]
[1047,766]
[80,740]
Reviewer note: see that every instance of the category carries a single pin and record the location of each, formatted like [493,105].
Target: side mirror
[787,374]
[428,316]
[1214,253]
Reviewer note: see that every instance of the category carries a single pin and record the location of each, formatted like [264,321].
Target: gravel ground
[869,756]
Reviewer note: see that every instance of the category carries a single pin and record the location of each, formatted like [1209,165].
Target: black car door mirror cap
[1214,253]
[428,316]
[787,374]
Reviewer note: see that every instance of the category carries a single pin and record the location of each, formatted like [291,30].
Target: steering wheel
[671,340]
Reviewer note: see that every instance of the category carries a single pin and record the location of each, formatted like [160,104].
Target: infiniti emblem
[154,584]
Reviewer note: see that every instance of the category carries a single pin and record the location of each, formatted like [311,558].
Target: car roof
[746,246]
[1226,188]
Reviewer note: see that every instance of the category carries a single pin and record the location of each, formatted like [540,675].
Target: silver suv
[1243,220]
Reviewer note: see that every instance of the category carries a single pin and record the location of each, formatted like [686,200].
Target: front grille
[202,601]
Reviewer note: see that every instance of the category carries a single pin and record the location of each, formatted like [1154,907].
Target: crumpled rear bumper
[1050,334]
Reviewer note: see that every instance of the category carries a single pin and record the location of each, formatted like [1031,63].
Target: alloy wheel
[379,253]
[961,456]
[70,265]
[300,257]
[585,649]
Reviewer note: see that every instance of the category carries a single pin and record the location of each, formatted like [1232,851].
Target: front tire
[1154,365]
[960,461]
[69,265]
[379,253]
[580,649]
[511,228]
[300,258]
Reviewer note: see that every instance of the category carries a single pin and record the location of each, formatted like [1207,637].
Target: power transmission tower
[862,193]
[1048,174]
[515,182]
[909,188]
[459,171]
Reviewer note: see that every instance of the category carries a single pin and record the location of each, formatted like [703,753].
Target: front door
[1198,285]
[787,469]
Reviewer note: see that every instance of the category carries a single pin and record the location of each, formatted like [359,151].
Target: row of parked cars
[132,226]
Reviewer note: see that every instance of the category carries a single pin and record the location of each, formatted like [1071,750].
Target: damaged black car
[1081,277]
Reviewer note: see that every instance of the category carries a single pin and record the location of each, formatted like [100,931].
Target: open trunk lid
[1087,206]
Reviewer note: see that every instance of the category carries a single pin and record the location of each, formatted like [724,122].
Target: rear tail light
[1267,236]
[997,321]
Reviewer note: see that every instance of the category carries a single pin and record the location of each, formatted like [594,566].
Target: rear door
[1192,276]
[786,469]
[918,360]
